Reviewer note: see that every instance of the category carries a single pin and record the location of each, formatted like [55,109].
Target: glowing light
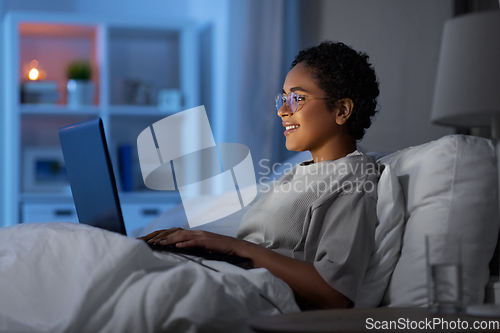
[33,74]
[34,63]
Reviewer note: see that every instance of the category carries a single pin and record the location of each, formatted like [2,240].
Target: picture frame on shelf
[44,170]
[169,100]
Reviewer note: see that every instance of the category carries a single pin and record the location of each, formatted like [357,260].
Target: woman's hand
[158,235]
[198,239]
[205,240]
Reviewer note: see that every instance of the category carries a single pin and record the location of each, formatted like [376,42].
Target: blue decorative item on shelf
[125,157]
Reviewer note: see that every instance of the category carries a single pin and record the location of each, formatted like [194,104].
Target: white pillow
[450,186]
[388,236]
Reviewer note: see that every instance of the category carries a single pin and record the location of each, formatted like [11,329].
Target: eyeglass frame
[286,99]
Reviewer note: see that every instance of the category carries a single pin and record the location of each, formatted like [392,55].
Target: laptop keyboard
[205,254]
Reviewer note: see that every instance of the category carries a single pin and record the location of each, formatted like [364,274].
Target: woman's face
[315,127]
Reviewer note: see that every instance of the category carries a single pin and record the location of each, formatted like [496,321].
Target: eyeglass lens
[291,100]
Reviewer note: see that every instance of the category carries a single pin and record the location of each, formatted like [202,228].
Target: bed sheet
[66,277]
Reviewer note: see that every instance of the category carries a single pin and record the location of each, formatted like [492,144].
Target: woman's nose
[283,111]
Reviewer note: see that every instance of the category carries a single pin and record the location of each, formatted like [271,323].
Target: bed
[65,277]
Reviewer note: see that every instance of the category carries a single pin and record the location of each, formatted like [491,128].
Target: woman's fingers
[151,235]
[192,238]
[163,235]
[158,235]
[178,236]
[203,239]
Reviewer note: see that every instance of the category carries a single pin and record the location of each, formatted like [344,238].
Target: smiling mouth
[290,129]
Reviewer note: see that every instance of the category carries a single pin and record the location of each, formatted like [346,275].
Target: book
[125,158]
[45,92]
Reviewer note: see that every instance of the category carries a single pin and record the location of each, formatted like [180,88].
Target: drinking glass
[444,272]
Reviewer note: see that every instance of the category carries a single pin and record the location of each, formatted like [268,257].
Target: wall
[402,39]
[37,5]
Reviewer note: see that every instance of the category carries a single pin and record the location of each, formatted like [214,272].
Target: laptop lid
[91,176]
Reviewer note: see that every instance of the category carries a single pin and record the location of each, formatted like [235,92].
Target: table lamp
[467,91]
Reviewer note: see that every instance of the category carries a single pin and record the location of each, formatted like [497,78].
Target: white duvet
[66,277]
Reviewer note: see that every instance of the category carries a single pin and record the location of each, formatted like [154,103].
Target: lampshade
[467,91]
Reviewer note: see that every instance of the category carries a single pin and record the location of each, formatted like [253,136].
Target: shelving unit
[155,55]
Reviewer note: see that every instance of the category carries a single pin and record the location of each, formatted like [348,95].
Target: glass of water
[444,273]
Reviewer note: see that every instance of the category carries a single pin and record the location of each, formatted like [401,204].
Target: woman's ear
[344,110]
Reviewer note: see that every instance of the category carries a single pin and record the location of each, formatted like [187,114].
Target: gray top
[323,213]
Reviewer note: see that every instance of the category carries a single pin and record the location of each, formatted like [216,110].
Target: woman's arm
[300,275]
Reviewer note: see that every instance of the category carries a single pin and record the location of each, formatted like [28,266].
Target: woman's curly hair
[344,73]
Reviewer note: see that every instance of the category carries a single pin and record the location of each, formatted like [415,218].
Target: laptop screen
[91,175]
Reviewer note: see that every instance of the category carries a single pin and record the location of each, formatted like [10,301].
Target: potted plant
[80,88]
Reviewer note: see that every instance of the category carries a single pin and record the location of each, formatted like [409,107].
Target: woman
[314,228]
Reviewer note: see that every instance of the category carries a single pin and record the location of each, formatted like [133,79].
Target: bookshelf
[131,61]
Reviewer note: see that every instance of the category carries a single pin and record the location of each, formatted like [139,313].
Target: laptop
[93,185]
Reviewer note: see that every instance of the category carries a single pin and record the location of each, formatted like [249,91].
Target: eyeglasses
[292,101]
